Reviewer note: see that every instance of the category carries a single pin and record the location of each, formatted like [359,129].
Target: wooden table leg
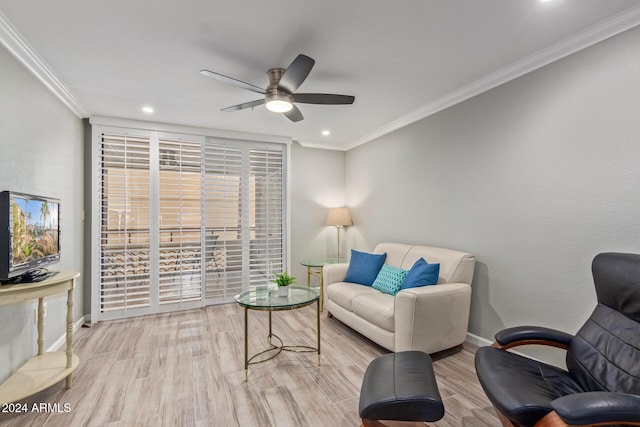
[69,335]
[40,326]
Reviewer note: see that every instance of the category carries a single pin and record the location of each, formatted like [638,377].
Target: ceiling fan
[280,95]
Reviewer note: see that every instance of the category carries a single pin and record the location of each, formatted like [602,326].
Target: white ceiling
[402,60]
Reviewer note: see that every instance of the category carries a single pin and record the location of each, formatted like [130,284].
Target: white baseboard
[477,340]
[57,345]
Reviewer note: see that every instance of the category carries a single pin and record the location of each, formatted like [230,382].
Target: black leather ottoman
[400,387]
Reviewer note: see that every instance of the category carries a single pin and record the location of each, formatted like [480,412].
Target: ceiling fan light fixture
[279,103]
[279,106]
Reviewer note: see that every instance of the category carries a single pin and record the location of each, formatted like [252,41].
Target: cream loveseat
[428,318]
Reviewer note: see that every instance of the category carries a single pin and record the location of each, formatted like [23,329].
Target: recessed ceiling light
[326,132]
[147,110]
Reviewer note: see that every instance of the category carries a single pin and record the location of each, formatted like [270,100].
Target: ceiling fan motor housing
[275,74]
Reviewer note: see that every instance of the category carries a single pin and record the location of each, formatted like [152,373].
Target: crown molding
[19,47]
[588,37]
[321,145]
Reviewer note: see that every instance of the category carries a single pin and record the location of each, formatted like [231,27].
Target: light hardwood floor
[186,369]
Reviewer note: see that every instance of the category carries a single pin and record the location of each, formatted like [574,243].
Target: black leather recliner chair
[602,383]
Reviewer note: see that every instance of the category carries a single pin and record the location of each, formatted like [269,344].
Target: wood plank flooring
[186,369]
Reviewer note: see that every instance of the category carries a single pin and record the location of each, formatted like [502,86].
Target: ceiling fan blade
[294,114]
[250,104]
[323,98]
[296,73]
[233,81]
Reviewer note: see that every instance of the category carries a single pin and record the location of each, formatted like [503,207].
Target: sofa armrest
[432,318]
[334,273]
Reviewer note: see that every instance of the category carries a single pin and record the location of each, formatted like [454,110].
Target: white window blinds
[124,222]
[266,214]
[224,211]
[244,217]
[180,255]
[186,222]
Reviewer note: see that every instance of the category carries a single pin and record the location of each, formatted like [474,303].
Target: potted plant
[283,280]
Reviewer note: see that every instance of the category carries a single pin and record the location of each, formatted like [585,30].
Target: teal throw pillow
[389,279]
[364,267]
[422,274]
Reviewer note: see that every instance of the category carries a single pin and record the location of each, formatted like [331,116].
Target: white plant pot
[283,291]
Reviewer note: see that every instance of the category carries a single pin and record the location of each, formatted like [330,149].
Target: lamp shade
[339,217]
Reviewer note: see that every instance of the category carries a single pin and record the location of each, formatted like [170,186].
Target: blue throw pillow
[364,268]
[389,279]
[422,274]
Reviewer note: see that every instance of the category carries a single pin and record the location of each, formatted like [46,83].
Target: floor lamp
[339,217]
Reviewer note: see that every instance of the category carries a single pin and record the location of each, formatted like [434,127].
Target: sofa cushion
[421,274]
[364,267]
[455,266]
[377,308]
[389,279]
[343,293]
[396,253]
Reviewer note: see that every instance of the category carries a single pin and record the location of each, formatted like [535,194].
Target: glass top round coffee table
[259,299]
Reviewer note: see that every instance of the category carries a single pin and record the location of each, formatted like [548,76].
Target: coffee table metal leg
[270,333]
[318,327]
[273,347]
[246,345]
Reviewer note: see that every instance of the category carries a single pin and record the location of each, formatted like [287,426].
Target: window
[224,220]
[186,221]
[124,223]
[266,213]
[180,262]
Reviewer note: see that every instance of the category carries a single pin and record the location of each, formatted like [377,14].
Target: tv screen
[29,233]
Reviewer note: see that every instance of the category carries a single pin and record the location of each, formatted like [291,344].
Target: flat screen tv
[29,234]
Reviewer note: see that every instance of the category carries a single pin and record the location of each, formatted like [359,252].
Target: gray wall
[317,184]
[41,148]
[534,177]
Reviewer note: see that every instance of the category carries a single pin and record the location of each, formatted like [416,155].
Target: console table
[46,368]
